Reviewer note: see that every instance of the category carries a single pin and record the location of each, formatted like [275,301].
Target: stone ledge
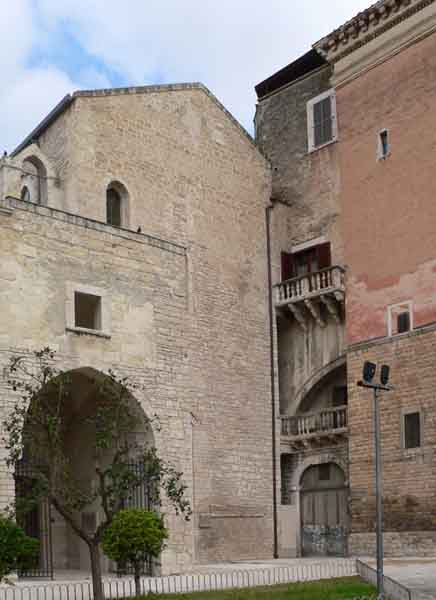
[366,344]
[10,203]
[91,332]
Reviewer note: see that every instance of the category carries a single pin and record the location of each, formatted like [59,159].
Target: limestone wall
[188,305]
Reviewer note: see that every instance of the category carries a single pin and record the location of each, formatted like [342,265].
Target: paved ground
[417,574]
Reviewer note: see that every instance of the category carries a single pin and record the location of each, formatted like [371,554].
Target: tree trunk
[137,567]
[97,584]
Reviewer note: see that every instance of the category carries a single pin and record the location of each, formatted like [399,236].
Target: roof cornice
[366,26]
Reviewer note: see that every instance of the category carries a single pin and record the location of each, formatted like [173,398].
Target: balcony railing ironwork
[329,421]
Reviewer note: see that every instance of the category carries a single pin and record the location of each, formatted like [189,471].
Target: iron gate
[36,523]
[141,497]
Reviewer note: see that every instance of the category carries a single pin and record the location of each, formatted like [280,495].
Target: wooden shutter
[323,121]
[323,255]
[288,271]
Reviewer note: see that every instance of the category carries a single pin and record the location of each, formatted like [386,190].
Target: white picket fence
[174,584]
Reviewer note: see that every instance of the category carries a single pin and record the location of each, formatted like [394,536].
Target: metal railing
[197,582]
[393,589]
[329,420]
[310,285]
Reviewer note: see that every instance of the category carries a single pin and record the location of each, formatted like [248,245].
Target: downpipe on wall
[268,212]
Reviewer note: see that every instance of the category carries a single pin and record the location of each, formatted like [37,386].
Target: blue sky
[57,46]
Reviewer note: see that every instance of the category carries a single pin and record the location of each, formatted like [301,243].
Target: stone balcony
[314,430]
[305,296]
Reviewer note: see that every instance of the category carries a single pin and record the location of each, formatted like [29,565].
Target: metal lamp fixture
[368,375]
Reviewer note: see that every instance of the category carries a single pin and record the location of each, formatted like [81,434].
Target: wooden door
[324,512]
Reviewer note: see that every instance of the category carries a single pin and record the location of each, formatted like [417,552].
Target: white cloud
[230,45]
[27,100]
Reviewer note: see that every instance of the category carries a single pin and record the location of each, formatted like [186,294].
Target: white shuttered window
[322,120]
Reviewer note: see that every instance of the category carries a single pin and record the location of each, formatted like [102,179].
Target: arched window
[113,208]
[25,194]
[35,180]
[117,205]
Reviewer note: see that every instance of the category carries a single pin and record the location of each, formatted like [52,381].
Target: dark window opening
[412,430]
[87,311]
[340,396]
[307,261]
[324,472]
[384,143]
[113,208]
[25,194]
[323,122]
[403,322]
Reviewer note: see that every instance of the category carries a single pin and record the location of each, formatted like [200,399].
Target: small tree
[17,550]
[132,537]
[37,432]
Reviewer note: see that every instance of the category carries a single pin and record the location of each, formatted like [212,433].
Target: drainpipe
[268,212]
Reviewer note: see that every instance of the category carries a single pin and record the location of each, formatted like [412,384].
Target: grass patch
[331,589]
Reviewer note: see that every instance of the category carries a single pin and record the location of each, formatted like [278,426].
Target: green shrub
[17,550]
[134,535]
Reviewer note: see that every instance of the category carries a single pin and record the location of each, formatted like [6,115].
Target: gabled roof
[148,89]
[304,65]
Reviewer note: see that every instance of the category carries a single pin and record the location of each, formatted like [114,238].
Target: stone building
[243,285]
[132,237]
[349,133]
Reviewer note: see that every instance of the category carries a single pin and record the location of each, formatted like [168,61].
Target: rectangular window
[412,430]
[87,311]
[400,318]
[322,120]
[383,144]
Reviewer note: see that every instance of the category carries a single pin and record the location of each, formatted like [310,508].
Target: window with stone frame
[87,311]
[400,318]
[322,120]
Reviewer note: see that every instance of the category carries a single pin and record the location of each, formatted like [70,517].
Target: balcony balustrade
[304,295]
[312,428]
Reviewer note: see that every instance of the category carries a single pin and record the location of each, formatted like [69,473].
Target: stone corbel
[299,316]
[363,25]
[315,311]
[332,307]
[340,296]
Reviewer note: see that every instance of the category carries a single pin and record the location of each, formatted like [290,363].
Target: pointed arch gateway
[60,547]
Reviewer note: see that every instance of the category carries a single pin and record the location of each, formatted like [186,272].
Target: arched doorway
[324,511]
[89,395]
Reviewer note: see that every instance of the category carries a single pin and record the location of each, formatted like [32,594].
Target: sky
[53,47]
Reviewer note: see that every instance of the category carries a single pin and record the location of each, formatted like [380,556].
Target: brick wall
[387,205]
[409,477]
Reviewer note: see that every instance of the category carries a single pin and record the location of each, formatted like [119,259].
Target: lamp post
[369,371]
